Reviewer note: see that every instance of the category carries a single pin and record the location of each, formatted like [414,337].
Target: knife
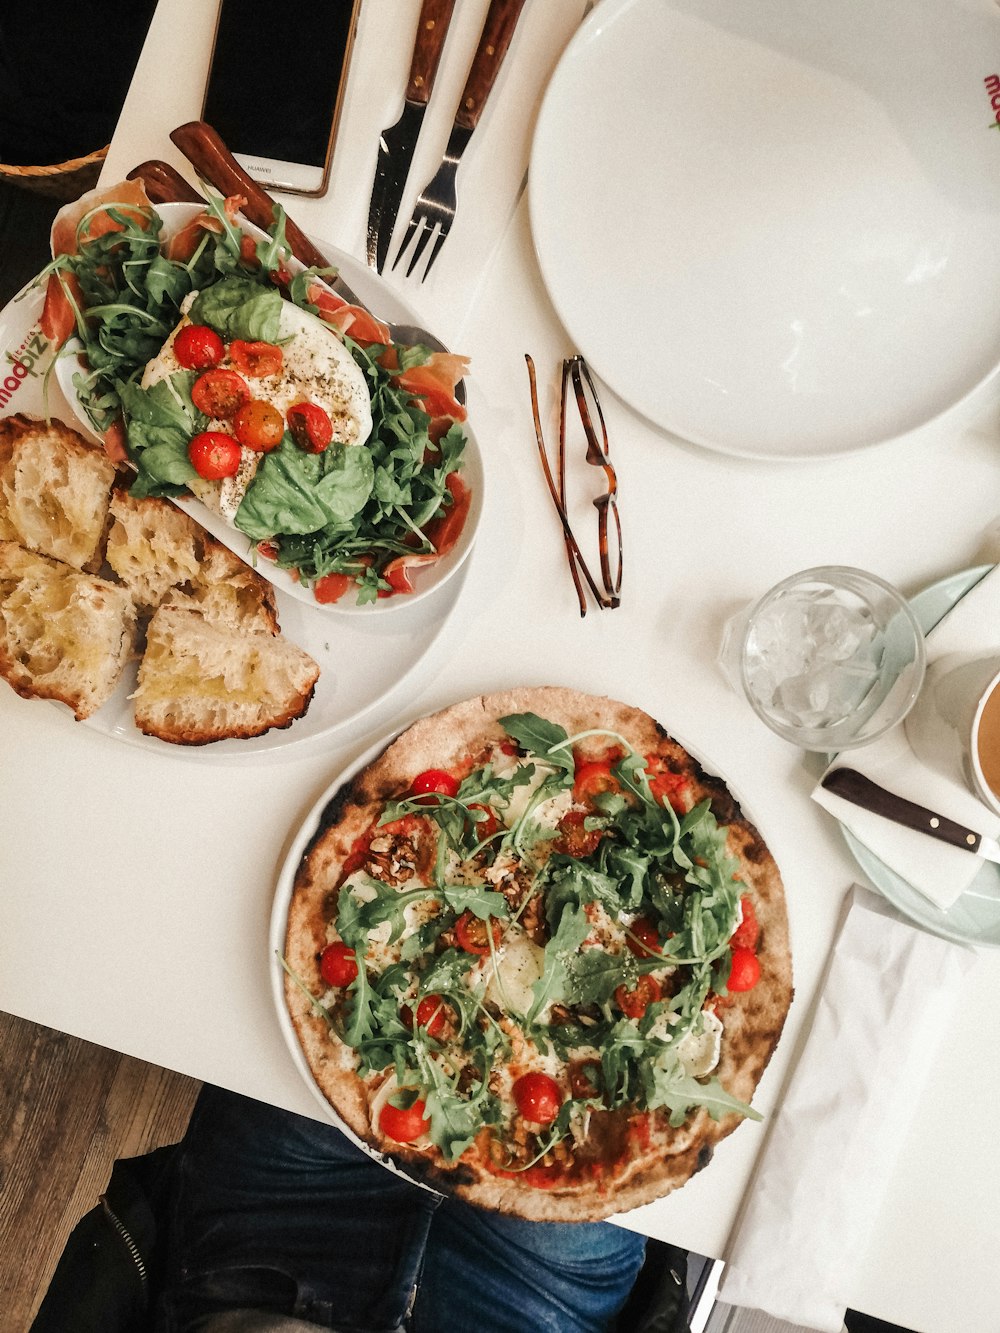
[859,790]
[397,143]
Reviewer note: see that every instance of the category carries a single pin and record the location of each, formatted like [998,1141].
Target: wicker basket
[62,180]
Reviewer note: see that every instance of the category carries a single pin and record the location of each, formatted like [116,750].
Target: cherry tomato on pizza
[537,1097]
[311,427]
[747,932]
[197,347]
[433,1015]
[634,1003]
[256,359]
[471,933]
[643,939]
[338,964]
[574,838]
[593,778]
[220,394]
[433,782]
[744,972]
[214,455]
[404,1124]
[487,825]
[259,426]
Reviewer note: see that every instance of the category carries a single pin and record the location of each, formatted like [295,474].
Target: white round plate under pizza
[532,954]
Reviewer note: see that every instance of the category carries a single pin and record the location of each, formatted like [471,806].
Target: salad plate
[975,917]
[775,212]
[362,659]
[377,296]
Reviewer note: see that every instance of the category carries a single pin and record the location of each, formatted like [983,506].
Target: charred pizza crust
[668,1156]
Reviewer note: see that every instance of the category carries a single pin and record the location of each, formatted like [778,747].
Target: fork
[434,210]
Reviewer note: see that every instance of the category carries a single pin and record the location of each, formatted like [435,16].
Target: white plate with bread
[142,625]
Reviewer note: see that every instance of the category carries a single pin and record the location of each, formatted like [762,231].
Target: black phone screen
[276,74]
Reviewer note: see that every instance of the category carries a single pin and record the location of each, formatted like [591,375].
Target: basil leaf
[239,307]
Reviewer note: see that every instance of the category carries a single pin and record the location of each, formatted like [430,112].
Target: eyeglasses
[575,371]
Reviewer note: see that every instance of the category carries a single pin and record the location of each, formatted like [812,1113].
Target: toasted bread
[54,488]
[210,672]
[64,634]
[154,547]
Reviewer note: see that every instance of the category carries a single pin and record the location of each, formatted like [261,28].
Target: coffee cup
[955,724]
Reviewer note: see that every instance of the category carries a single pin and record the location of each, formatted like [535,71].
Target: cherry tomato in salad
[256,359]
[214,455]
[404,1124]
[634,1003]
[745,970]
[311,427]
[220,394]
[537,1097]
[197,347]
[338,964]
[746,933]
[643,939]
[259,426]
[591,779]
[434,782]
[470,932]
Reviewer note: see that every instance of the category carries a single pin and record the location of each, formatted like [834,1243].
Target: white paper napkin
[940,872]
[166,92]
[887,997]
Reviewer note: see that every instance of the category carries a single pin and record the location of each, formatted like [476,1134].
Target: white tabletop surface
[135,887]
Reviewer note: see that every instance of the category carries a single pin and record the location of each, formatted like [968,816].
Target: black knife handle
[498,30]
[859,790]
[432,29]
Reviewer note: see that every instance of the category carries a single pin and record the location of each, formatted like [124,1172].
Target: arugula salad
[541,911]
[342,517]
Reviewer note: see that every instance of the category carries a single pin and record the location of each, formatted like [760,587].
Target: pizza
[537,957]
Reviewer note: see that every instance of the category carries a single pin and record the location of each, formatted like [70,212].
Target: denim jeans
[277,1212]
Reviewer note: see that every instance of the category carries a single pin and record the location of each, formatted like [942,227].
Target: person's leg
[483,1270]
[279,1212]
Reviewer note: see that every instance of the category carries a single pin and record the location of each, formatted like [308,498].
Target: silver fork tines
[434,211]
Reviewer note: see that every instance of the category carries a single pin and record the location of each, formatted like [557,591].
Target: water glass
[830,658]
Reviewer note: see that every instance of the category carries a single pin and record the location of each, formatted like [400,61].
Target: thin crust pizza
[537,956]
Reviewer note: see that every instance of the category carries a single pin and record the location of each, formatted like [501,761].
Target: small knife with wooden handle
[853,786]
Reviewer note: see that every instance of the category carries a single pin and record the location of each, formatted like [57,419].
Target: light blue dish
[975,917]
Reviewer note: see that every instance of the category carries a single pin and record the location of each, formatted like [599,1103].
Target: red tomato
[197,347]
[433,1013]
[470,932]
[256,359]
[486,827]
[331,587]
[647,938]
[745,971]
[432,783]
[746,933]
[574,839]
[537,1097]
[338,964]
[404,1125]
[311,427]
[214,455]
[259,426]
[591,779]
[220,393]
[665,785]
[634,1003]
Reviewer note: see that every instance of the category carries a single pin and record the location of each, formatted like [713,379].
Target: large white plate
[361,660]
[975,917]
[773,229]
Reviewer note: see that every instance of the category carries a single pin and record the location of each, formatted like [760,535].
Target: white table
[135,887]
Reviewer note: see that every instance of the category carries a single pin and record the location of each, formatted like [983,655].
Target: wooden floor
[67,1110]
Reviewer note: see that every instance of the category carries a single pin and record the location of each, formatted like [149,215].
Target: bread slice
[210,672]
[54,489]
[155,547]
[64,634]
